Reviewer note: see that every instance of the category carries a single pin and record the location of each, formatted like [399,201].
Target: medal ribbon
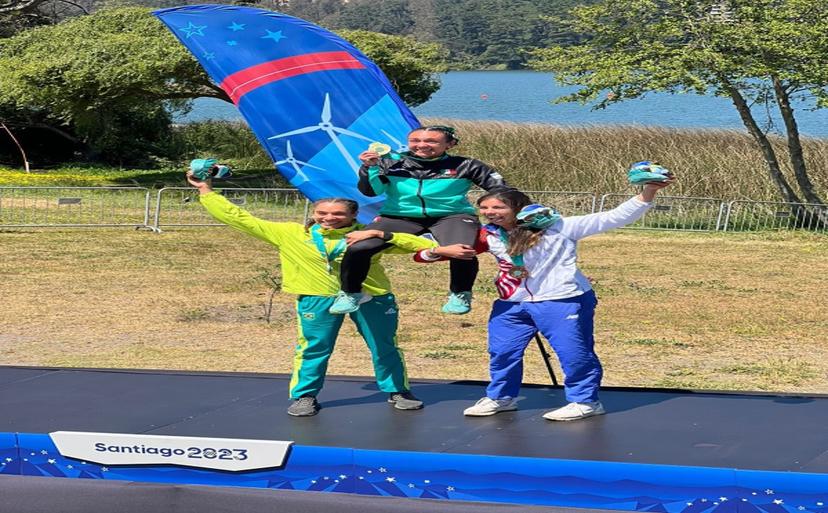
[504,237]
[319,240]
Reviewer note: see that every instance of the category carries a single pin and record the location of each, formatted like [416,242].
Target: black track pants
[453,229]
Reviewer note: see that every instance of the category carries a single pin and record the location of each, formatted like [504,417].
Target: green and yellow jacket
[304,269]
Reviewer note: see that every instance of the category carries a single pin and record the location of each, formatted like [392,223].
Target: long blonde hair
[520,239]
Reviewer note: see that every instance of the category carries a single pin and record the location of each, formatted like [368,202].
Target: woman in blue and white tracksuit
[542,290]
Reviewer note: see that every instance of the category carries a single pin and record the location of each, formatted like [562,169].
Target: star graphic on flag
[235,27]
[450,489]
[232,43]
[390,479]
[50,460]
[209,56]
[276,36]
[193,30]
[778,501]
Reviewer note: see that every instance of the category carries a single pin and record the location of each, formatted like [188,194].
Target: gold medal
[519,272]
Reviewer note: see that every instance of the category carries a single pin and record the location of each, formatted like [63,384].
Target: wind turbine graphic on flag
[278,71]
[400,146]
[294,163]
[332,131]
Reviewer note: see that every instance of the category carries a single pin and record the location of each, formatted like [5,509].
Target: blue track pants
[566,323]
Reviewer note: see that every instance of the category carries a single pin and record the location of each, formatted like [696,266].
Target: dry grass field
[717,311]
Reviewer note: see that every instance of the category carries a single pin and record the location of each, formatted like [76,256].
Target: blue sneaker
[346,302]
[458,303]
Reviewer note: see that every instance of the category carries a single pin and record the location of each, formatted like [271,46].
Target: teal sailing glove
[537,217]
[647,171]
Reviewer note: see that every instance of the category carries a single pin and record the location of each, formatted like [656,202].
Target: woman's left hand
[359,235]
[650,189]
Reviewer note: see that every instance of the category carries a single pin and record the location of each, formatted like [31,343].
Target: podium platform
[664,451]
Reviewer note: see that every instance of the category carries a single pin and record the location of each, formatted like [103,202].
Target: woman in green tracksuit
[310,257]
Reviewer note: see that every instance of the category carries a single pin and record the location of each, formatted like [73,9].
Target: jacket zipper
[420,196]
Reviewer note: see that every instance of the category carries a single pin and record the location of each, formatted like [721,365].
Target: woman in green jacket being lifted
[425,191]
[310,257]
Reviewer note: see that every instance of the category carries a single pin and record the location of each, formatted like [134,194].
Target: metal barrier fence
[74,206]
[743,215]
[179,206]
[674,213]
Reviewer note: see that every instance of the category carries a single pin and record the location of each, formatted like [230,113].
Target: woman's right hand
[203,186]
[458,251]
[369,158]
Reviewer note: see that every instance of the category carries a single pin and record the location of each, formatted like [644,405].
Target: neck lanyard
[319,241]
[518,270]
[504,237]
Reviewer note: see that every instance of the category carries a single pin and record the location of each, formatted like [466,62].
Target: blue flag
[313,100]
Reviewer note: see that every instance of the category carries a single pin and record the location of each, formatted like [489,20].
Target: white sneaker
[576,411]
[486,406]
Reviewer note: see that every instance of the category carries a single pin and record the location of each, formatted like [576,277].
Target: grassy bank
[717,311]
[709,163]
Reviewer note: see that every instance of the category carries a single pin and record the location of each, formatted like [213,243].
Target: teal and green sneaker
[458,303]
[346,302]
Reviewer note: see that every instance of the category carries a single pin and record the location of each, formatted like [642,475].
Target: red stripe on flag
[242,82]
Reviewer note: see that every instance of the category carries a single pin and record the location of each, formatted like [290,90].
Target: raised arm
[232,215]
[578,227]
[372,182]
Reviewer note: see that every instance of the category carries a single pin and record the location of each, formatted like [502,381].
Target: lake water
[525,96]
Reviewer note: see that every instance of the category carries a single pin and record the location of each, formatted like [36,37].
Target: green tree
[112,79]
[409,65]
[750,51]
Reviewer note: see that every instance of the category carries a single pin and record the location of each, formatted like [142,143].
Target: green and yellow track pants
[376,321]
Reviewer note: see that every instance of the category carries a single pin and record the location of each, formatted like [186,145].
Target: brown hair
[520,239]
[447,131]
[351,205]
